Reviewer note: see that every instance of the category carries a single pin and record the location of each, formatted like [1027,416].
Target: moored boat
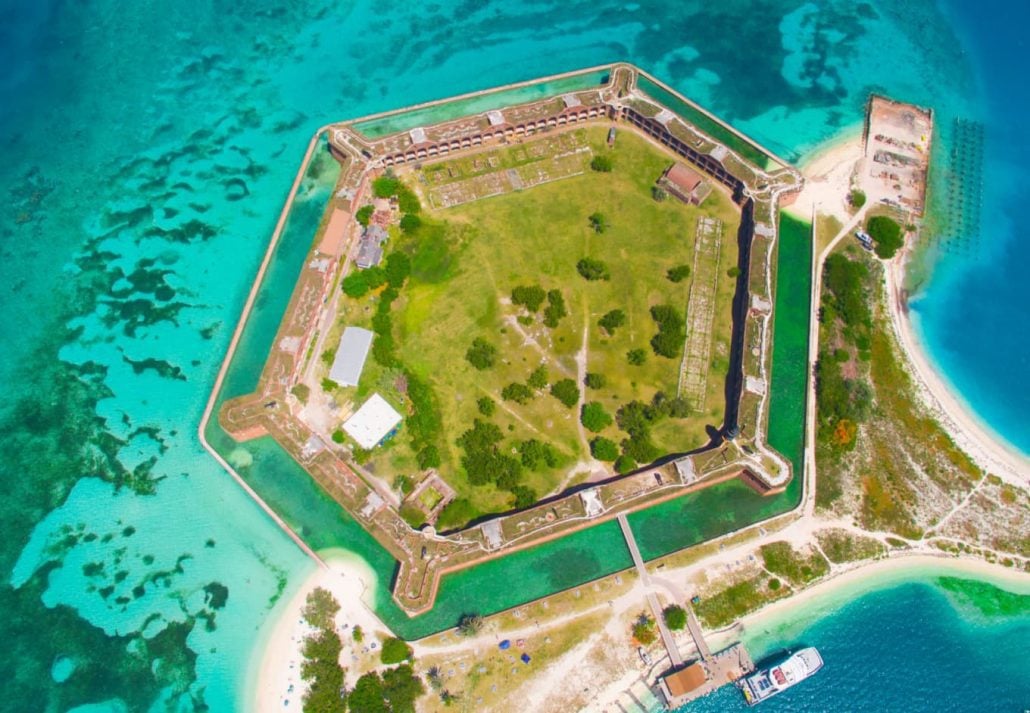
[767,682]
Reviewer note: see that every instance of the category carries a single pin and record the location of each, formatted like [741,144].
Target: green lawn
[466,260]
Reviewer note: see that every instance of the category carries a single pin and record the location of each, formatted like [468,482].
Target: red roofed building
[685,184]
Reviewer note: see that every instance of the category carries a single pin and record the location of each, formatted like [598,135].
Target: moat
[725,459]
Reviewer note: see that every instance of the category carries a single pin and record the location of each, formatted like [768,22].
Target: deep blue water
[147,148]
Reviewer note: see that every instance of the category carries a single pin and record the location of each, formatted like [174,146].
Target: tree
[364,214]
[625,464]
[592,270]
[675,617]
[302,392]
[856,198]
[368,695]
[455,514]
[413,515]
[394,650]
[644,630]
[486,406]
[595,381]
[538,379]
[482,354]
[528,296]
[401,688]
[565,391]
[321,670]
[385,186]
[678,273]
[733,272]
[603,449]
[410,223]
[470,624]
[329,385]
[519,393]
[658,193]
[612,320]
[601,163]
[320,608]
[671,331]
[357,634]
[887,235]
[533,452]
[398,268]
[555,308]
[524,497]
[594,417]
[355,285]
[636,357]
[598,222]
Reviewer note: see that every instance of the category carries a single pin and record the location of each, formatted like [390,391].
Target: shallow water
[147,150]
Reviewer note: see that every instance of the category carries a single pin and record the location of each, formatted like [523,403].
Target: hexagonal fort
[525,311]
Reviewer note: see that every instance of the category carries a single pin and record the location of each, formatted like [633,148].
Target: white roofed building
[374,421]
[350,356]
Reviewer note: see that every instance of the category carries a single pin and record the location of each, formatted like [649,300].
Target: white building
[350,356]
[373,422]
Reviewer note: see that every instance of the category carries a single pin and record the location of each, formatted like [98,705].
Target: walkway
[656,609]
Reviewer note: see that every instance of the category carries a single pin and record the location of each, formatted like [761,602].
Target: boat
[767,682]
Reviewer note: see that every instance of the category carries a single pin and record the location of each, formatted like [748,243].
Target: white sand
[974,437]
[828,173]
[275,683]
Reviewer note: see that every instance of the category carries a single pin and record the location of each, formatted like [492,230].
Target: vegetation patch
[782,559]
[842,546]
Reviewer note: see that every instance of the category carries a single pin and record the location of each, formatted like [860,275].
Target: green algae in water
[985,598]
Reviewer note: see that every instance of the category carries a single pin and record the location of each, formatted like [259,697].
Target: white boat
[767,682]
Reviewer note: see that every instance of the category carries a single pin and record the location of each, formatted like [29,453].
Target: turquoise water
[925,645]
[147,151]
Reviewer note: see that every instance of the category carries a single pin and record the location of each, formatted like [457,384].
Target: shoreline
[988,449]
[788,615]
[273,678]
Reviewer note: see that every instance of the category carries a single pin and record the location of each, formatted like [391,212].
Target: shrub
[595,381]
[601,163]
[456,513]
[394,651]
[555,308]
[338,436]
[659,193]
[856,198]
[486,406]
[678,273]
[636,357]
[644,630]
[675,617]
[592,269]
[404,484]
[357,634]
[364,215]
[329,385]
[528,296]
[594,417]
[482,355]
[410,223]
[470,624]
[612,320]
[519,393]
[733,272]
[774,584]
[302,392]
[625,464]
[598,222]
[538,379]
[566,391]
[603,449]
[887,235]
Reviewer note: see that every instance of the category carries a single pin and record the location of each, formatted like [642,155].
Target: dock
[684,683]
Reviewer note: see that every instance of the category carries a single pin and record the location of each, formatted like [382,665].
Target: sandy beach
[275,683]
[828,172]
[986,448]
